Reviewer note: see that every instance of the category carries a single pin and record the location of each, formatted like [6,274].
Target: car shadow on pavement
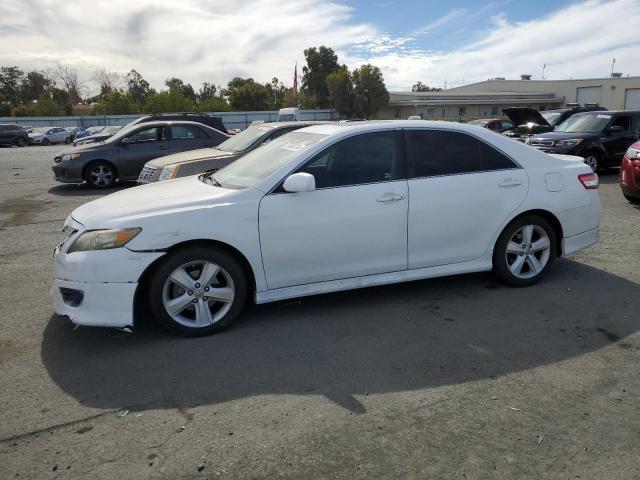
[76,190]
[385,339]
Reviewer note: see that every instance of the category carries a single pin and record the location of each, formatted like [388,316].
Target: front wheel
[524,251]
[100,175]
[45,142]
[67,140]
[593,160]
[20,142]
[197,291]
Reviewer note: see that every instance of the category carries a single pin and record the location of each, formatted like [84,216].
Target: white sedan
[325,208]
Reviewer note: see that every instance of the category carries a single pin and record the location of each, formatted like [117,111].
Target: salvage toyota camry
[325,208]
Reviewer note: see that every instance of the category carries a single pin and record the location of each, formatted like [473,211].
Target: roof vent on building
[525,76]
[616,74]
[499,78]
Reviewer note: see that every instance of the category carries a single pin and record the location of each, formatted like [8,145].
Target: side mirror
[126,141]
[299,182]
[616,128]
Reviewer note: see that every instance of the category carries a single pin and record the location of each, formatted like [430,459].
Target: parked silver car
[49,135]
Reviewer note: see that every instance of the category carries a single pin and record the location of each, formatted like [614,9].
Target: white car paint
[330,239]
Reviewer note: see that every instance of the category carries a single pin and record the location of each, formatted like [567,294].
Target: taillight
[589,180]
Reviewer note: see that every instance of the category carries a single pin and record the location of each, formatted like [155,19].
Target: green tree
[138,87]
[60,97]
[32,85]
[370,91]
[276,91]
[207,91]
[5,109]
[341,93]
[10,78]
[245,94]
[184,88]
[214,104]
[291,98]
[421,87]
[321,62]
[116,102]
[167,101]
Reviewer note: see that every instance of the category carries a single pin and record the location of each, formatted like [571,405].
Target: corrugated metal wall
[231,119]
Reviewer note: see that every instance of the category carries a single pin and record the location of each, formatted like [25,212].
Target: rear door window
[439,152]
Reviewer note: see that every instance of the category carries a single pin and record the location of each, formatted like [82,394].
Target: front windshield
[551,117]
[262,162]
[244,139]
[113,129]
[584,124]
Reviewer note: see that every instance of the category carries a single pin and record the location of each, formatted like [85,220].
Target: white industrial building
[487,99]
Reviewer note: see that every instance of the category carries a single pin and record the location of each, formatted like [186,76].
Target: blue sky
[430,41]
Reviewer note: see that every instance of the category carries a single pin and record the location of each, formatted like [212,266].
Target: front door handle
[390,197]
[510,182]
[163,147]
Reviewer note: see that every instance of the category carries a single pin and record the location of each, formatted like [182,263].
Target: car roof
[610,112]
[167,123]
[300,123]
[375,125]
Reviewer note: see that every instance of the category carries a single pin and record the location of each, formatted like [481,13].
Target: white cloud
[214,40]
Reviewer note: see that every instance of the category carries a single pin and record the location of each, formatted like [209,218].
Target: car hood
[564,135]
[189,155]
[82,148]
[522,116]
[134,206]
[97,137]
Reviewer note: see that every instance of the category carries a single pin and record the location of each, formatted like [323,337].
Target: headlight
[633,153]
[168,172]
[528,141]
[70,156]
[103,239]
[571,142]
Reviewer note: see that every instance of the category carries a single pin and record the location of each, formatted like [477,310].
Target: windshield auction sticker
[293,146]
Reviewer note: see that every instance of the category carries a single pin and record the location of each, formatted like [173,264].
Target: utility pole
[613,62]
[543,69]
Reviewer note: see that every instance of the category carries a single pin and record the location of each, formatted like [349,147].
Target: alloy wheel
[528,251]
[592,161]
[198,294]
[101,176]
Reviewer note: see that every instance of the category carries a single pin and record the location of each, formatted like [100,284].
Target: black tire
[501,258]
[160,287]
[20,142]
[630,199]
[594,160]
[67,140]
[100,174]
[45,142]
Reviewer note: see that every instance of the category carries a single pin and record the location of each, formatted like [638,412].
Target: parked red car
[630,174]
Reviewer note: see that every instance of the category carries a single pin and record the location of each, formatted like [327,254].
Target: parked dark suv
[12,134]
[203,118]
[123,155]
[529,122]
[601,138]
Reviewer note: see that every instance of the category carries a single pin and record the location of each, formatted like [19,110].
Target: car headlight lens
[70,156]
[571,142]
[168,173]
[103,239]
[528,141]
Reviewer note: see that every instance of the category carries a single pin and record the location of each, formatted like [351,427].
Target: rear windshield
[480,123]
[244,139]
[584,123]
[262,162]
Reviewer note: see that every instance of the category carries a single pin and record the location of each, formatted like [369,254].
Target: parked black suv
[208,120]
[530,122]
[601,138]
[12,134]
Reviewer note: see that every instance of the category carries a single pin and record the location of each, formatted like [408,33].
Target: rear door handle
[509,182]
[390,197]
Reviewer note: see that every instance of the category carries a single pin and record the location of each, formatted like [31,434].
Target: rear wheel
[67,140]
[197,291]
[634,200]
[593,160]
[524,251]
[20,142]
[100,175]
[45,142]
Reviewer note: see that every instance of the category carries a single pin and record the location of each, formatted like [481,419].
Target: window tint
[437,152]
[369,158]
[623,121]
[145,135]
[186,132]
